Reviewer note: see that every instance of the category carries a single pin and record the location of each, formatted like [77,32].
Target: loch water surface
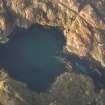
[30,56]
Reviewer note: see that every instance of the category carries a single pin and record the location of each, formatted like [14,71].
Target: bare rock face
[83,22]
[2,23]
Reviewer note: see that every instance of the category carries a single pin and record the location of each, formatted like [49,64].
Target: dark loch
[30,56]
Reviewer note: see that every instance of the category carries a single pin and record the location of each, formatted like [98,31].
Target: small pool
[30,56]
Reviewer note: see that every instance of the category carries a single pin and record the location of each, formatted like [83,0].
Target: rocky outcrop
[83,22]
[72,89]
[75,89]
